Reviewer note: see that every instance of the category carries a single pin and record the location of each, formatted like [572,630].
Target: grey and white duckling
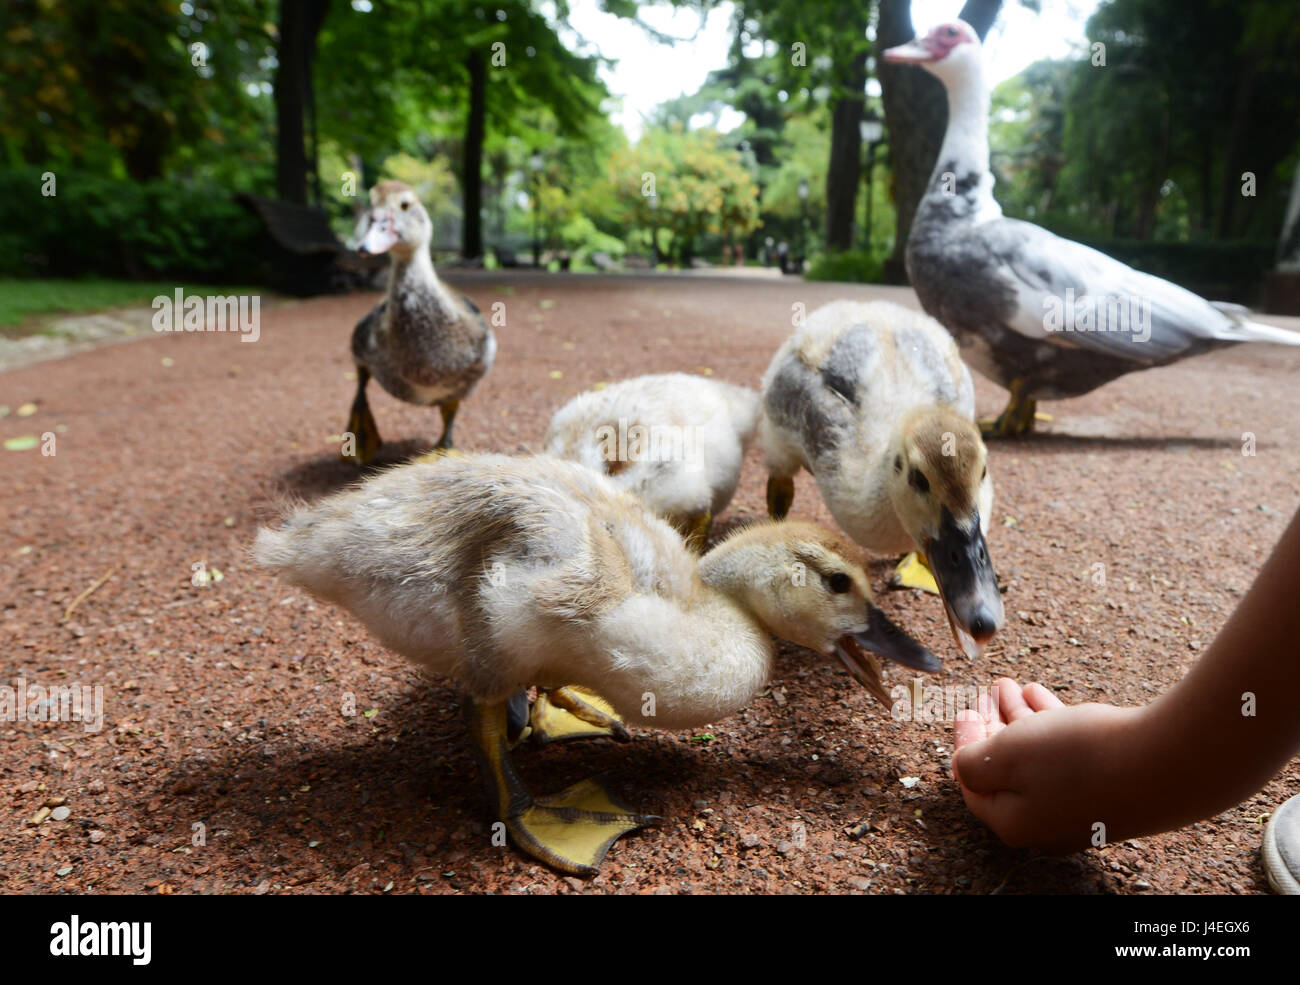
[676,440]
[423,343]
[506,572]
[874,400]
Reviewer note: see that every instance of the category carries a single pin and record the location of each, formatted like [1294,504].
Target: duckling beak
[959,558]
[381,234]
[881,636]
[913,52]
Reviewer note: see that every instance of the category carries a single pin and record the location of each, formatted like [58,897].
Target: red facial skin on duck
[934,47]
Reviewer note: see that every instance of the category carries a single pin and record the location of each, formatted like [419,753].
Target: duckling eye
[985,474]
[898,463]
[952,32]
[405,206]
[839,583]
[918,480]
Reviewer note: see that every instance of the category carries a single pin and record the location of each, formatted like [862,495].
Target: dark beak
[959,558]
[856,651]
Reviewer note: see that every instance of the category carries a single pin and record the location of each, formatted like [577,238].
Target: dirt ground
[225,765]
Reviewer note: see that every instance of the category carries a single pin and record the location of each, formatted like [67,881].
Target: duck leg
[913,571]
[448,417]
[570,831]
[780,495]
[361,425]
[574,712]
[1017,419]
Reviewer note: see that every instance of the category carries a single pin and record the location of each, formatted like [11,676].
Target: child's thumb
[979,766]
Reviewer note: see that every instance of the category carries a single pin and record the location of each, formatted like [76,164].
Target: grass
[23,300]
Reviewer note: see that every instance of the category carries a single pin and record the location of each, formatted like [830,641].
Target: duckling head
[940,488]
[799,581]
[395,221]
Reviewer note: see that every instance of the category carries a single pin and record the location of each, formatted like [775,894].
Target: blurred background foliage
[153,114]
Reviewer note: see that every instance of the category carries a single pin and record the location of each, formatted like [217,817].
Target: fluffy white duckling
[506,572]
[424,344]
[676,440]
[874,400]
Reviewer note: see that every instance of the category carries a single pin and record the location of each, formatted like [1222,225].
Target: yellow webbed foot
[572,830]
[914,572]
[361,441]
[1017,419]
[573,713]
[780,495]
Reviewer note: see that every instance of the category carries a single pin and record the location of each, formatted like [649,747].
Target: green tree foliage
[131,87]
[687,183]
[1155,142]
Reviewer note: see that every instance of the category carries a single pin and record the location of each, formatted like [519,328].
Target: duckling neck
[683,666]
[413,284]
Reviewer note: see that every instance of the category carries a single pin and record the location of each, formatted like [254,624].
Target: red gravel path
[222,704]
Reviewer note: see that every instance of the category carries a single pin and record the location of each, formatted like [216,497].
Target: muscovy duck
[1043,316]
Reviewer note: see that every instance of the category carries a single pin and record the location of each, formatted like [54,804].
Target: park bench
[304,255]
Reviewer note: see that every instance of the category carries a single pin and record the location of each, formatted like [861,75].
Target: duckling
[676,440]
[504,572]
[423,344]
[874,400]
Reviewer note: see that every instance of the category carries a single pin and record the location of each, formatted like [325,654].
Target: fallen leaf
[25,443]
[26,410]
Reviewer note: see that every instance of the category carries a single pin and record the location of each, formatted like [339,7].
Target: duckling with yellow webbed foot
[504,573]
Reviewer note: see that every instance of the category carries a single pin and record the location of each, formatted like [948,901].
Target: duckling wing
[1071,295]
[364,335]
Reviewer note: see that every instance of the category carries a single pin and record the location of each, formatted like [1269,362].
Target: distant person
[783,256]
[1044,774]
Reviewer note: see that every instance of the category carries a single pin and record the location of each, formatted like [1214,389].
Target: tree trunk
[845,168]
[1230,188]
[916,114]
[472,168]
[300,24]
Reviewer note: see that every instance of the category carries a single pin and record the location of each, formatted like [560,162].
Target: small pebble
[61,813]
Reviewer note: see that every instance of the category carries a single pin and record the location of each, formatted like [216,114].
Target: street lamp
[803,230]
[873,132]
[535,162]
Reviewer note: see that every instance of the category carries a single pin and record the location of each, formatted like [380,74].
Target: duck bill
[858,651]
[959,558]
[911,53]
[380,237]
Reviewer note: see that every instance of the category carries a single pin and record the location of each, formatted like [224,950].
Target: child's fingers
[969,727]
[1011,702]
[1040,699]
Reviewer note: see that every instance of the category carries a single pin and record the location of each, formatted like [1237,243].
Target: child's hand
[1042,774]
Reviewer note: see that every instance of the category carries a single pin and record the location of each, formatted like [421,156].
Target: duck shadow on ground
[409,794]
[1054,443]
[327,472]
[404,803]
